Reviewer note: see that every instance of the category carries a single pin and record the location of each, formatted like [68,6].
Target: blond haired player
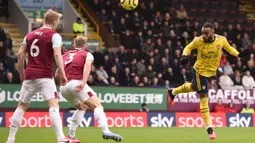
[209,48]
[42,46]
[78,63]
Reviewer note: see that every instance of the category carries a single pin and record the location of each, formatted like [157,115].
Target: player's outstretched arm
[231,50]
[21,55]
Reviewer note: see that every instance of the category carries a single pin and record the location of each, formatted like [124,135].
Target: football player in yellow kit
[209,48]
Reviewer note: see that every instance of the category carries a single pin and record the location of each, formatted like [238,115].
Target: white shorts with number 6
[69,93]
[46,86]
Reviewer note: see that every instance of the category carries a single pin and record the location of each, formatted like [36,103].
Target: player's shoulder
[198,39]
[220,37]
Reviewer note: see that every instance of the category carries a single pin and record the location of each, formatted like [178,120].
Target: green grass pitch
[137,135]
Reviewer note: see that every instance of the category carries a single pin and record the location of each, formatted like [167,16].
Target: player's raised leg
[186,87]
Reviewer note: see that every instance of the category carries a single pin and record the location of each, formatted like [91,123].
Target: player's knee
[203,95]
[81,106]
[53,103]
[193,87]
[23,106]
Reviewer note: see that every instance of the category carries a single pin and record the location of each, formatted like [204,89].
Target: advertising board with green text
[115,98]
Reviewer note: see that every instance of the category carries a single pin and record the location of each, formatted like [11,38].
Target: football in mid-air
[129,4]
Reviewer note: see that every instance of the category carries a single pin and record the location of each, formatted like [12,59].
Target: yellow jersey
[209,54]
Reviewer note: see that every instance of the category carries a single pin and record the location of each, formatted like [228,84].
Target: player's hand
[79,87]
[184,60]
[63,80]
[245,54]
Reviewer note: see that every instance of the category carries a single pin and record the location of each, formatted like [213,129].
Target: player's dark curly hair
[208,25]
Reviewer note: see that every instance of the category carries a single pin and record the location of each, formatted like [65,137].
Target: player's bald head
[80,42]
[51,17]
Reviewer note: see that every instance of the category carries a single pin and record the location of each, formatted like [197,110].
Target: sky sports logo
[239,120]
[161,119]
[196,120]
[87,120]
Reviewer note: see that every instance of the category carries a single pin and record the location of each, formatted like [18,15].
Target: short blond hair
[51,17]
[80,41]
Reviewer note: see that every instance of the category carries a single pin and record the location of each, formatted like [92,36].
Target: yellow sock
[205,111]
[186,87]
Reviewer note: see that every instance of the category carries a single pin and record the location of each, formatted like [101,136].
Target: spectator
[9,79]
[9,60]
[213,84]
[78,27]
[133,55]
[107,63]
[133,67]
[230,33]
[182,14]
[167,84]
[149,73]
[141,69]
[155,83]
[219,107]
[2,43]
[118,65]
[144,108]
[250,67]
[127,40]
[161,82]
[165,28]
[91,81]
[125,77]
[247,109]
[228,69]
[231,108]
[103,17]
[158,44]
[146,81]
[137,21]
[102,74]
[122,26]
[8,41]
[114,73]
[237,79]
[2,73]
[98,56]
[113,82]
[246,41]
[162,66]
[148,46]
[135,82]
[122,55]
[139,41]
[168,75]
[225,81]
[248,81]
[185,39]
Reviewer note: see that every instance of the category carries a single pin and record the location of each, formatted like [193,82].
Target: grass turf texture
[137,135]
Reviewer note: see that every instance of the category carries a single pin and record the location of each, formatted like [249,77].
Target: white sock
[207,127]
[16,121]
[56,122]
[76,120]
[101,118]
